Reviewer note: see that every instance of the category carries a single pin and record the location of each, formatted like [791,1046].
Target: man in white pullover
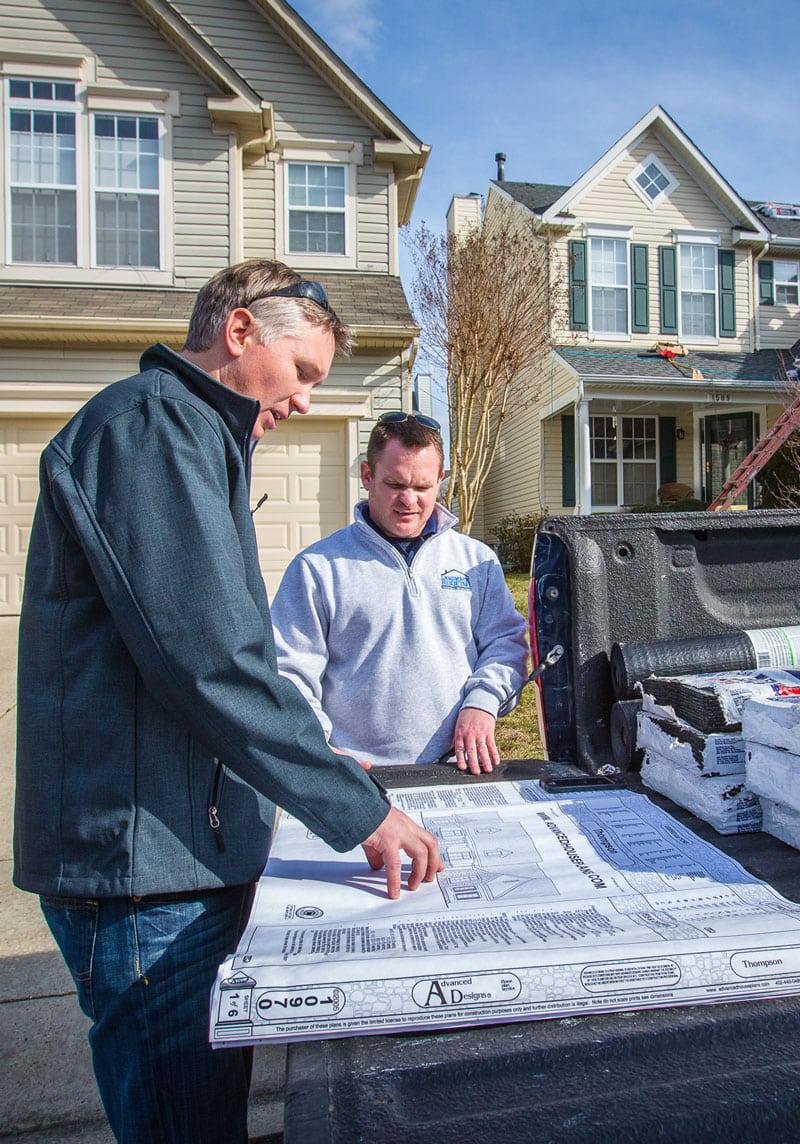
[400,631]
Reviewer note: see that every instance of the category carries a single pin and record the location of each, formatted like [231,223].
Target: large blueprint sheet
[547,907]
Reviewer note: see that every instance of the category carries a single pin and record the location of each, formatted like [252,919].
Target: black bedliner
[695,1075]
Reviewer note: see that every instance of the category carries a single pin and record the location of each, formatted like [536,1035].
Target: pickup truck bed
[706,1074]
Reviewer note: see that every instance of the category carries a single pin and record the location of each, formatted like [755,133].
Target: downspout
[407,358]
[755,288]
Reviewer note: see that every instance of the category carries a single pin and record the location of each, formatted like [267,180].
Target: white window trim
[607,230]
[697,238]
[621,234]
[662,196]
[91,98]
[348,155]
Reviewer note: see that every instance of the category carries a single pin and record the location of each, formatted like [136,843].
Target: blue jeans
[144,971]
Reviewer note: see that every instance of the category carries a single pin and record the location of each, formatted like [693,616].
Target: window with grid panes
[49,173]
[316,202]
[623,460]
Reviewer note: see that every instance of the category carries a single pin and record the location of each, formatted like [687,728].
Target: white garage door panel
[21,444]
[303,467]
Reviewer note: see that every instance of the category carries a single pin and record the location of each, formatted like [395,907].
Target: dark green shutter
[640,316]
[568,460]
[726,263]
[667,267]
[668,470]
[766,283]
[578,314]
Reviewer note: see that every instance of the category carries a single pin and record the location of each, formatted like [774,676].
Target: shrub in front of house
[514,535]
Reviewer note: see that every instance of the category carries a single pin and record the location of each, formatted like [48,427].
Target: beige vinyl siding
[373,221]
[130,52]
[258,207]
[685,449]
[305,104]
[512,486]
[778,325]
[68,366]
[520,480]
[464,212]
[305,107]
[689,207]
[384,375]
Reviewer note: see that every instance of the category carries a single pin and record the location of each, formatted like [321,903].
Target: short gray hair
[249,284]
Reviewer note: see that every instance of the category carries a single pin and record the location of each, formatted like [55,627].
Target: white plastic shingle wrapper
[716,753]
[775,722]
[774,774]
[724,802]
[781,821]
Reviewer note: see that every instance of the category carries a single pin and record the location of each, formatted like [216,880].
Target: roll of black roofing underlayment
[733,651]
[622,728]
[633,662]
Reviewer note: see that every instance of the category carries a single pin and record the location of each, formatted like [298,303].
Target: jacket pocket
[217,784]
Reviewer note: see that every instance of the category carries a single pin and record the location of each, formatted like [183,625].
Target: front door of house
[727,439]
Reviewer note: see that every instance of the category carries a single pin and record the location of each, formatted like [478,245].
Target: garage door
[21,443]
[302,466]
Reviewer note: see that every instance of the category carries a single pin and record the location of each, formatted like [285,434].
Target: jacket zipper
[213,811]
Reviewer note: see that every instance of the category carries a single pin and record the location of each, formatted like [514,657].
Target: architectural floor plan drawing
[548,906]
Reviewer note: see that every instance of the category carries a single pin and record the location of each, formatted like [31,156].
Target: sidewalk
[47,1089]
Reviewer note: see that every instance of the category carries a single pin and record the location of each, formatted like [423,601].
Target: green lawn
[518,733]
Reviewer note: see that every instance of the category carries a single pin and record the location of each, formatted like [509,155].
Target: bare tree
[484,301]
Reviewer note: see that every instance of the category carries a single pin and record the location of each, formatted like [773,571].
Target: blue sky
[555,84]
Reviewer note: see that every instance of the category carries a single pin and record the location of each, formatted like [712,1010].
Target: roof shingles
[763,365]
[359,299]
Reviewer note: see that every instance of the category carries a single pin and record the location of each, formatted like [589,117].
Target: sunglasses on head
[314,291]
[397,415]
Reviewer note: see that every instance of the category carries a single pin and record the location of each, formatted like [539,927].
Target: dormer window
[652,181]
[316,194]
[317,200]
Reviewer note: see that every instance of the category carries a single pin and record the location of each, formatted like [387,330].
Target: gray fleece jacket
[388,653]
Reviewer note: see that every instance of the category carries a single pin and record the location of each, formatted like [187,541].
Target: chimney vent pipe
[500,159]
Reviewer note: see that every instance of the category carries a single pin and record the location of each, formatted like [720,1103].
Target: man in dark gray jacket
[155,734]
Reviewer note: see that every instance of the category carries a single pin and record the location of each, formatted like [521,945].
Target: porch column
[583,474]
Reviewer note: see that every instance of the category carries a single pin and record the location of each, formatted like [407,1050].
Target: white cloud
[351,27]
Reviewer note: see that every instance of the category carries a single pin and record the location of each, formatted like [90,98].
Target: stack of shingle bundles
[699,768]
[771,731]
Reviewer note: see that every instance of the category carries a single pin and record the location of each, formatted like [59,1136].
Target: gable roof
[250,117]
[553,203]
